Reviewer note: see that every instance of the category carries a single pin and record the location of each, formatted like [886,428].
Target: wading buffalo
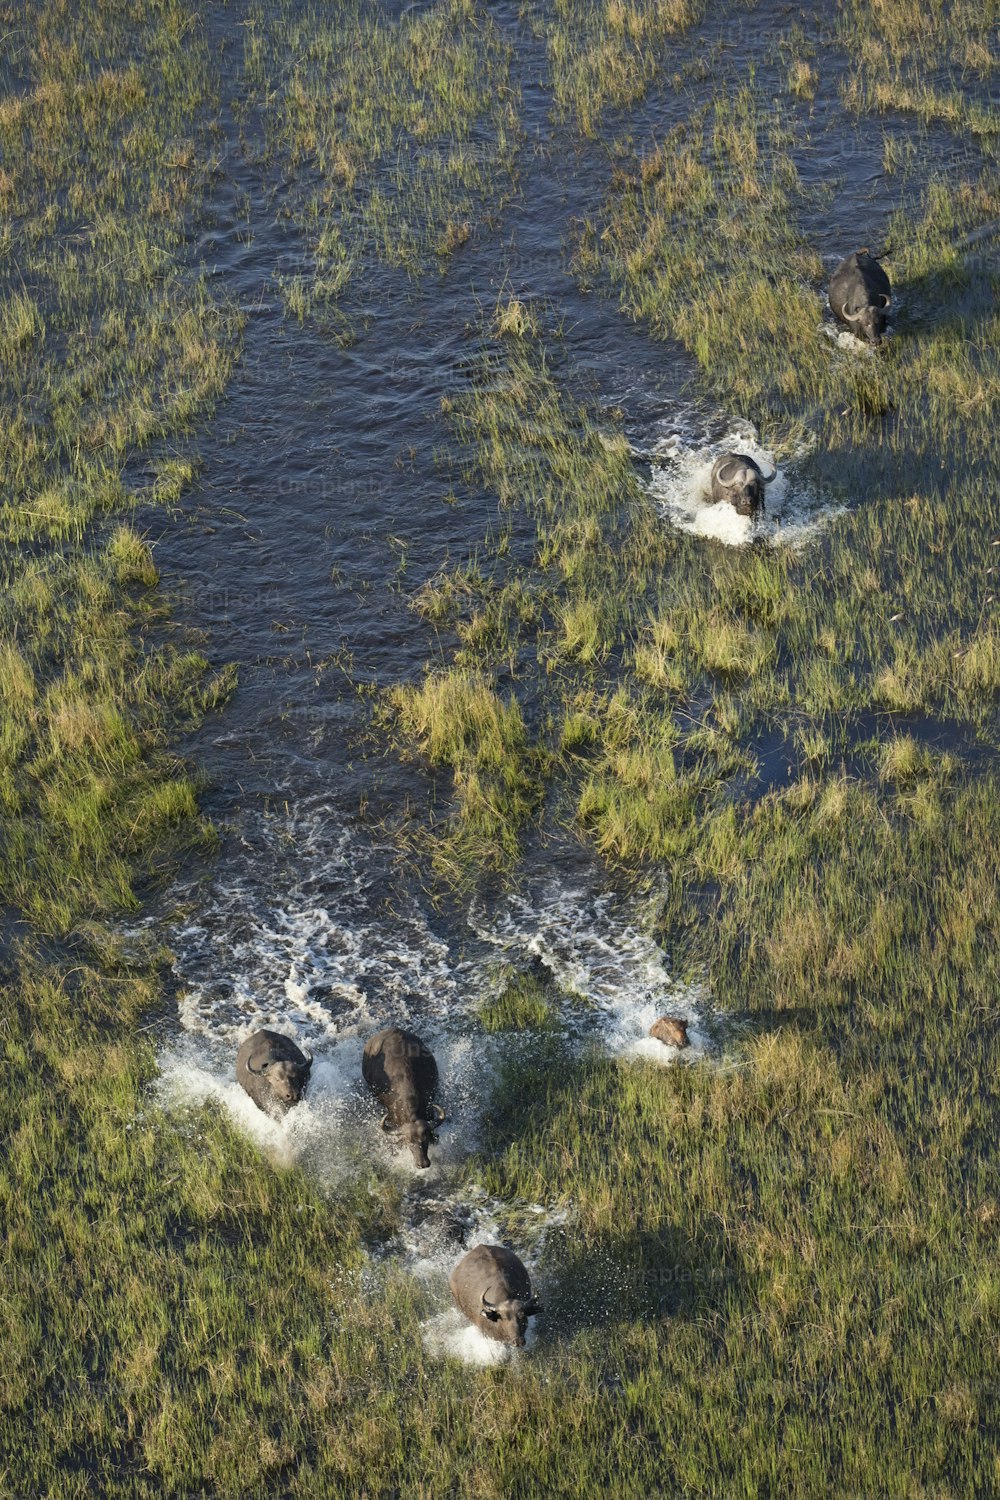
[860,293]
[492,1288]
[738,480]
[402,1074]
[671,1030]
[273,1071]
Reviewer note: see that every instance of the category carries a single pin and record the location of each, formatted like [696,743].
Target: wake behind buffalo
[489,1284]
[860,296]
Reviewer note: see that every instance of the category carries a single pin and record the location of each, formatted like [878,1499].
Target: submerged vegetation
[776,1275]
[930,60]
[403,132]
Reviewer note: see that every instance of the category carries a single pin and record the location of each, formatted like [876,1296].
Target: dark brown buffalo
[402,1074]
[493,1289]
[737,480]
[860,295]
[273,1071]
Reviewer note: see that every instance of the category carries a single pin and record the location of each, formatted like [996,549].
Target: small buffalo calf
[671,1030]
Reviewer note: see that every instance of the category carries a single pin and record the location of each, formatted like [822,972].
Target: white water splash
[845,340]
[594,952]
[435,1244]
[324,1131]
[308,933]
[849,343]
[680,487]
[313,940]
[334,1129]
[450,1335]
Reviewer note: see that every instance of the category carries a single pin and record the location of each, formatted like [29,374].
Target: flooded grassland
[372,655]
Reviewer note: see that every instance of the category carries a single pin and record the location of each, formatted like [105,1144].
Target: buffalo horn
[441,1116]
[252,1069]
[385,1123]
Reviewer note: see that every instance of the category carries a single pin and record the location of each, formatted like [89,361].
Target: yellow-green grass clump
[523,1002]
[704,239]
[614,621]
[458,719]
[108,341]
[563,628]
[700,241]
[89,794]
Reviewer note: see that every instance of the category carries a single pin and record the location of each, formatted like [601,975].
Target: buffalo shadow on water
[957,297]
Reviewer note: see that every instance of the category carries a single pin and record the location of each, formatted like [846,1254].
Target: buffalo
[273,1071]
[402,1074]
[739,481]
[860,294]
[670,1030]
[493,1289]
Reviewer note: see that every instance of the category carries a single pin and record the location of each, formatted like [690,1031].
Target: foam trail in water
[307,936]
[595,952]
[680,486]
[304,931]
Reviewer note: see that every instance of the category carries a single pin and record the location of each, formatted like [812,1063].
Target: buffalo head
[868,320]
[418,1135]
[737,480]
[510,1318]
[286,1080]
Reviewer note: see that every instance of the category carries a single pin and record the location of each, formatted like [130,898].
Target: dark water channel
[322,507]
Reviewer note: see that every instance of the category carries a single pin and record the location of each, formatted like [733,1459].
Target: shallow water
[320,510]
[304,930]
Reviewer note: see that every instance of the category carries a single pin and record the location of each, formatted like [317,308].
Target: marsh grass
[107,342]
[778,1273]
[523,1002]
[457,719]
[933,61]
[605,56]
[700,240]
[613,647]
[560,633]
[403,134]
